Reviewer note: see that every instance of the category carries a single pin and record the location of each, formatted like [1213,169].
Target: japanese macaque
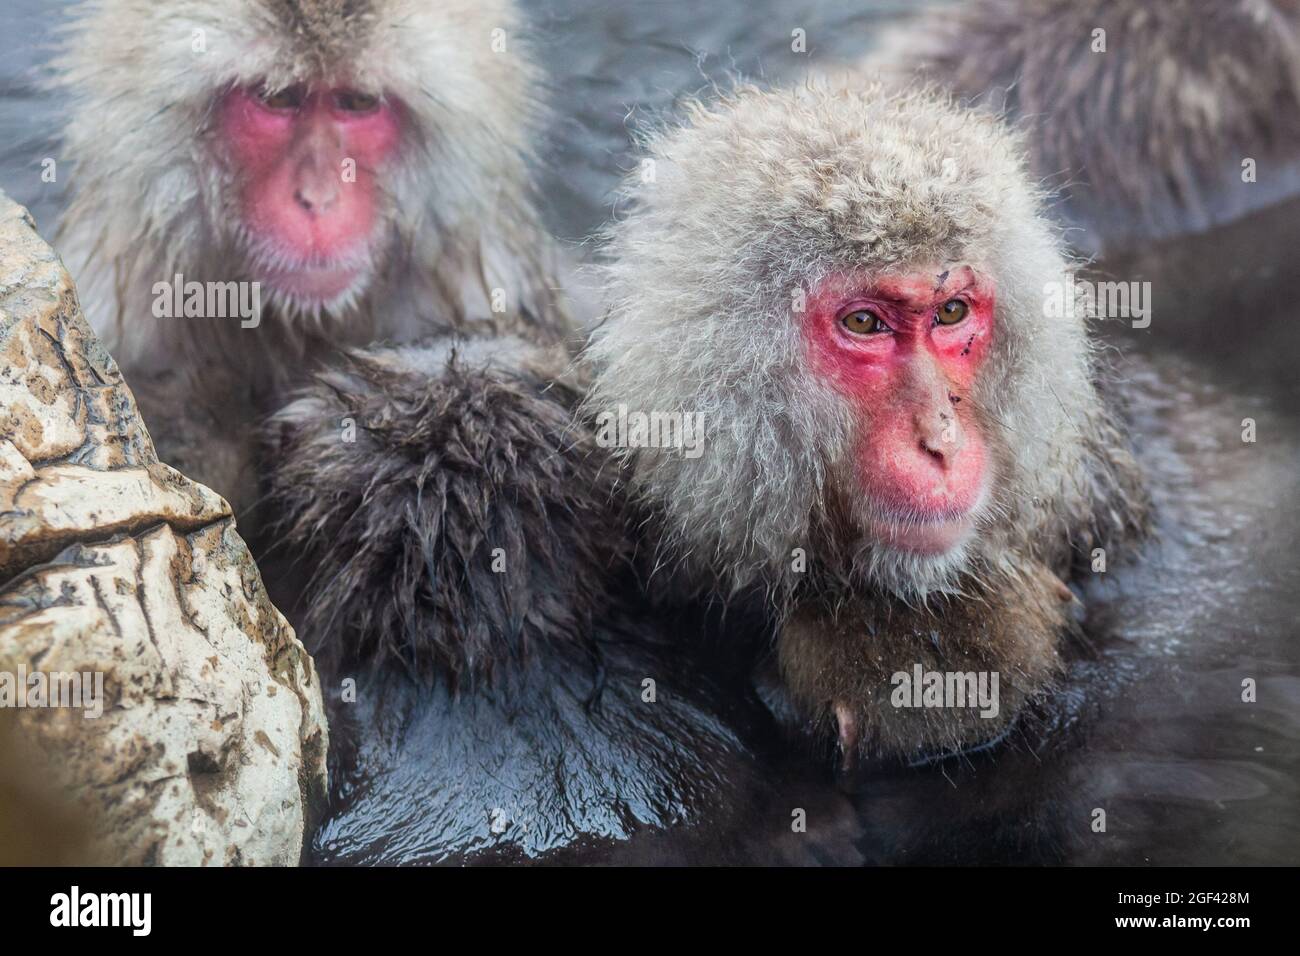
[444,537]
[257,183]
[904,446]
[1156,119]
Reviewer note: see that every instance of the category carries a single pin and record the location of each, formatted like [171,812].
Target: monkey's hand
[885,679]
[450,512]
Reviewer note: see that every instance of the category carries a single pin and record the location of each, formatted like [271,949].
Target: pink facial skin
[310,227]
[923,461]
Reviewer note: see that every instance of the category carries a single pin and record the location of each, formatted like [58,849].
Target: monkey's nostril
[315,198]
[938,438]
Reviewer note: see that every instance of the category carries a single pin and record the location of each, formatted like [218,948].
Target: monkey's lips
[931,531]
[314,284]
[931,524]
[927,536]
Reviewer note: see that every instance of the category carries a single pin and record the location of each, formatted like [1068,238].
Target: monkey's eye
[864,322]
[352,101]
[289,98]
[951,312]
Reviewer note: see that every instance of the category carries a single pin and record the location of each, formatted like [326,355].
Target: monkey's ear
[453,514]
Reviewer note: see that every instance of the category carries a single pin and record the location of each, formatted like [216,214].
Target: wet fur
[497,716]
[842,653]
[452,461]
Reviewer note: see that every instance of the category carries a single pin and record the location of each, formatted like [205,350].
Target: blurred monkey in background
[1155,119]
[363,162]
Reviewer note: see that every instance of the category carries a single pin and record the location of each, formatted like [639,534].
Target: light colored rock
[211,745]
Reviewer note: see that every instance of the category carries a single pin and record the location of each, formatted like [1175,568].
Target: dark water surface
[1155,731]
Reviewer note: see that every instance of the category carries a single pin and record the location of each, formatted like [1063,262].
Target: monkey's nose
[316,197]
[940,435]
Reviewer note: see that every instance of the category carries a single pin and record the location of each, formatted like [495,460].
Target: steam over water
[1153,729]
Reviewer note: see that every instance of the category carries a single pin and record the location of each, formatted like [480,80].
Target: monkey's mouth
[924,533]
[935,537]
[314,284]
[309,284]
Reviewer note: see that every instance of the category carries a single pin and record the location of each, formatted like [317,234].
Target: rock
[210,747]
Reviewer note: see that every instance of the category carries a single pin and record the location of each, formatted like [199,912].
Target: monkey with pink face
[906,450]
[364,164]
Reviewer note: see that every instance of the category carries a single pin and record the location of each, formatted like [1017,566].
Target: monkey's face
[306,163]
[904,352]
[885,424]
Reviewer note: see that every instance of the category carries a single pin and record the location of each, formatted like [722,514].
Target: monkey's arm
[840,663]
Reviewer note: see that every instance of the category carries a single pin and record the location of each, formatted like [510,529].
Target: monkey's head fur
[755,202]
[155,194]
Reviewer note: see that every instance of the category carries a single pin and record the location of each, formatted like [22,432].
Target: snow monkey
[457,549]
[904,442]
[1157,119]
[258,182]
